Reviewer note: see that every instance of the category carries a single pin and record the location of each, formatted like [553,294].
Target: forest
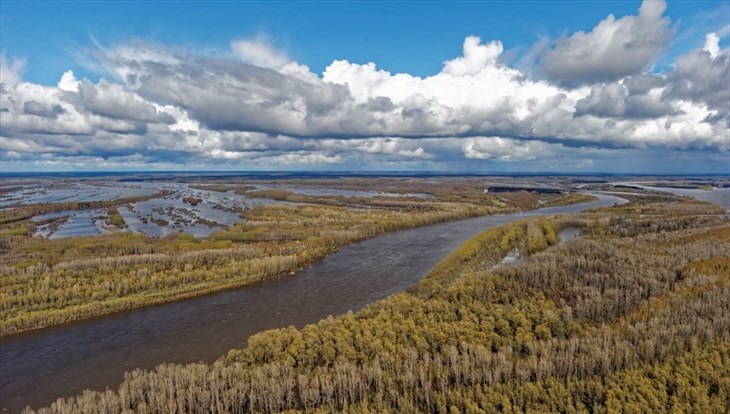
[48,282]
[633,316]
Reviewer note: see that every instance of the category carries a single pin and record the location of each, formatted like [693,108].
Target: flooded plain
[187,210]
[178,207]
[40,366]
[74,192]
[170,208]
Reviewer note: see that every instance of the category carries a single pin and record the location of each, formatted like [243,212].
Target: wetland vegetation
[631,317]
[47,282]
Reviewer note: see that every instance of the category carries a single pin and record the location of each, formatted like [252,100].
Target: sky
[478,87]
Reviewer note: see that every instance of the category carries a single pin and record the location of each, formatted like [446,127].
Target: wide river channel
[38,367]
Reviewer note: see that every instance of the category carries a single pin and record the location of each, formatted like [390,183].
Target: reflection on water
[50,216]
[74,192]
[719,196]
[512,258]
[81,223]
[70,223]
[182,209]
[188,210]
[195,212]
[568,234]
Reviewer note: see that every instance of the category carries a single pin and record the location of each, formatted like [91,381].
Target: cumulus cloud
[259,108]
[476,57]
[68,82]
[473,95]
[29,108]
[640,97]
[701,77]
[604,100]
[112,101]
[613,49]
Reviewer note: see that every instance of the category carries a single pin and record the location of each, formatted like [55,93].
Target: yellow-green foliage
[540,235]
[116,219]
[339,224]
[633,318]
[487,249]
[572,198]
[45,282]
[20,229]
[10,216]
[512,238]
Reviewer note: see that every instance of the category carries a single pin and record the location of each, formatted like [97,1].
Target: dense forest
[47,282]
[634,317]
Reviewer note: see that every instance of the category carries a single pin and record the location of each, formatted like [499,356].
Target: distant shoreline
[327,174]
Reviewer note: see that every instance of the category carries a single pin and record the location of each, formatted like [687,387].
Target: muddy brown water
[38,367]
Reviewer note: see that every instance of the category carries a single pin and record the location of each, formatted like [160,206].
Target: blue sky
[412,37]
[105,42]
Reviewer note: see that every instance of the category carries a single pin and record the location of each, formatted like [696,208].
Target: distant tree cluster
[114,218]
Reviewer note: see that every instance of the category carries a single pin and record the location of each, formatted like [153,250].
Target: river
[38,367]
[719,196]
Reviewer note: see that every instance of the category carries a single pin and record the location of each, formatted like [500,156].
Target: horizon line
[369,172]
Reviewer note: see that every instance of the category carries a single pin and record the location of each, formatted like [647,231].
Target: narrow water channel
[38,367]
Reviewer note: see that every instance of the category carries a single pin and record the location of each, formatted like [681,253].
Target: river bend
[38,367]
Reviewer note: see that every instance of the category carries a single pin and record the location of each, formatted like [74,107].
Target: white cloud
[613,49]
[113,101]
[68,82]
[510,150]
[476,57]
[302,158]
[11,71]
[259,52]
[712,45]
